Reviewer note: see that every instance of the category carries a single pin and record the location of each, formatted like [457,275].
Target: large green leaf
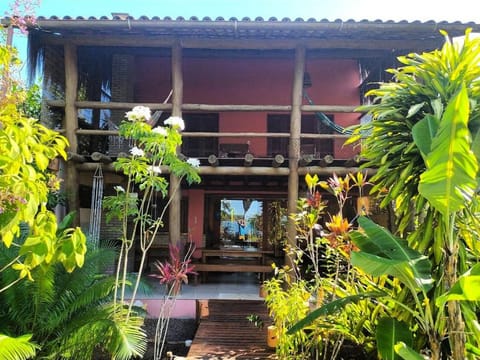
[467,288]
[406,352]
[381,253]
[388,333]
[450,179]
[331,308]
[423,132]
[18,348]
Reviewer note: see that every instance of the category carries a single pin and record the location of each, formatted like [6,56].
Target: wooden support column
[294,146]
[70,125]
[175,190]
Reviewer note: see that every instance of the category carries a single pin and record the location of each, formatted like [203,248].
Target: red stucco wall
[247,81]
[251,81]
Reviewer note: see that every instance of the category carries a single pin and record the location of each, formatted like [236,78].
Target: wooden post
[294,146]
[70,125]
[9,40]
[175,190]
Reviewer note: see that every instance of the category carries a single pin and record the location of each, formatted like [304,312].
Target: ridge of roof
[257,19]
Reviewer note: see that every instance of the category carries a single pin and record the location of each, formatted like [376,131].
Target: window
[241,223]
[200,146]
[280,123]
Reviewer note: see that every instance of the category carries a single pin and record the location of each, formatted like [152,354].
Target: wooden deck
[226,333]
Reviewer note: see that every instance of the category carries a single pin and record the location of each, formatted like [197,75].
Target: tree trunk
[456,325]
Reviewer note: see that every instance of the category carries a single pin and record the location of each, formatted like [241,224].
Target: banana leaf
[450,179]
[382,253]
[389,332]
[467,288]
[406,352]
[331,308]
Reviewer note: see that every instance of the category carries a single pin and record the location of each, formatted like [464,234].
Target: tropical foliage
[70,315]
[155,151]
[26,148]
[424,142]
[304,301]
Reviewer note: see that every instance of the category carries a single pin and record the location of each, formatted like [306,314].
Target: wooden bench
[225,253]
[231,267]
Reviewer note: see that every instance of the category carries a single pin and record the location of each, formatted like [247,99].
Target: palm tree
[67,314]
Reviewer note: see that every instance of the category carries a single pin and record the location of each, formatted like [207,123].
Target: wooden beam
[305,159]
[147,40]
[248,159]
[278,160]
[208,107]
[330,108]
[75,157]
[213,160]
[98,156]
[232,107]
[326,160]
[354,161]
[205,134]
[245,170]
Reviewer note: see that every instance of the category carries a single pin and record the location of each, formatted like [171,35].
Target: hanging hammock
[96,207]
[324,119]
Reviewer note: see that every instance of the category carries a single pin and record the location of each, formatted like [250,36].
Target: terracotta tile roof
[248,28]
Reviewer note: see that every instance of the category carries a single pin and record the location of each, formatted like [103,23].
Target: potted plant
[175,270]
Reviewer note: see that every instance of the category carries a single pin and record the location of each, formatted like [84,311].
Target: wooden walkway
[227,334]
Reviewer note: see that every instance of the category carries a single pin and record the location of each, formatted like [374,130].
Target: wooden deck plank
[228,335]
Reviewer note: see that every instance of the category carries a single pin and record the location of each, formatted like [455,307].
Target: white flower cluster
[175,122]
[139,113]
[119,188]
[135,151]
[193,162]
[155,169]
[160,130]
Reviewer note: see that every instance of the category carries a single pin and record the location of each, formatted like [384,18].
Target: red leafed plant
[176,269]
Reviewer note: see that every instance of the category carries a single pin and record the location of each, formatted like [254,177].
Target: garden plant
[154,152]
[423,142]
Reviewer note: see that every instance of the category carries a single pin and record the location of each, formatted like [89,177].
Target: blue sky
[439,10]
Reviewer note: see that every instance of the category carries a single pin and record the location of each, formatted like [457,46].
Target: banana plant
[425,144]
[449,184]
[383,254]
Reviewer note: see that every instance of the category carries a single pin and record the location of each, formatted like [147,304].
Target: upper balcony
[236,105]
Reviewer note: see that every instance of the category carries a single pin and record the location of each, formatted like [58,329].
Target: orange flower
[338,225]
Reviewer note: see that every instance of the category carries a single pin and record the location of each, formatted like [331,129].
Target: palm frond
[18,348]
[106,328]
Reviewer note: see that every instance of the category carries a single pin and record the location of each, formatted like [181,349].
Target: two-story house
[265,101]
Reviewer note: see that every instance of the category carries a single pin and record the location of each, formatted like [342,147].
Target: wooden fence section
[227,334]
